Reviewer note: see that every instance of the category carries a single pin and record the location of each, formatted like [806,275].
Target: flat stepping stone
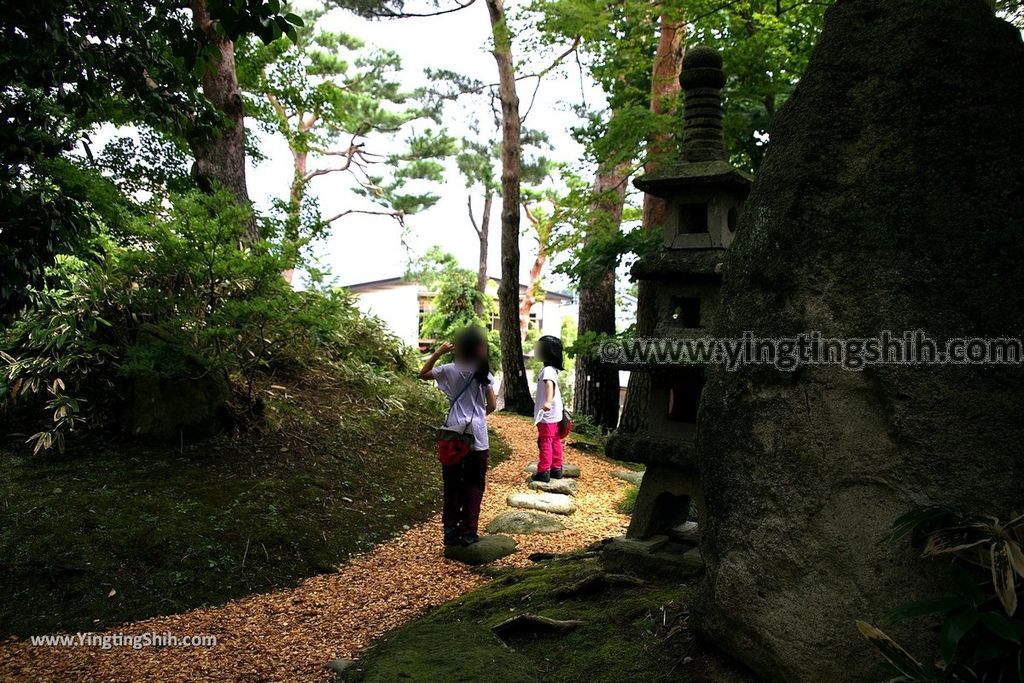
[489,548]
[557,503]
[687,532]
[525,522]
[564,486]
[568,470]
[340,666]
[630,476]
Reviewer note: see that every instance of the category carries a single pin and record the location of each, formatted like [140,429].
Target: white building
[401,304]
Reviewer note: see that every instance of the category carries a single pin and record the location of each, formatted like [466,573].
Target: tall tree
[668,60]
[543,212]
[334,101]
[618,43]
[475,162]
[596,391]
[66,66]
[220,155]
[515,388]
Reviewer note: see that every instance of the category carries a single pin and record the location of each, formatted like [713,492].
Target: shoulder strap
[451,406]
[463,389]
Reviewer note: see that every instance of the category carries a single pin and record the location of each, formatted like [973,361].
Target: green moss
[500,451]
[628,502]
[450,652]
[169,529]
[630,633]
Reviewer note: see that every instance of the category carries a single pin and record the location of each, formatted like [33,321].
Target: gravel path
[289,635]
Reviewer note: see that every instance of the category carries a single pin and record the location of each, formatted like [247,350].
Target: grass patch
[630,634]
[628,502]
[116,531]
[499,450]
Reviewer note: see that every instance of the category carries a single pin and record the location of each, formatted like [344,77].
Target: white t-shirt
[555,413]
[471,408]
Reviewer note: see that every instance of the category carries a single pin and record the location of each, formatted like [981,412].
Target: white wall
[551,314]
[398,307]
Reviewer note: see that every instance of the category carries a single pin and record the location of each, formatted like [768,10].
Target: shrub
[981,637]
[179,277]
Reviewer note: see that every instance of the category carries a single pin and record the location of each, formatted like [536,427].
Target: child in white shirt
[547,409]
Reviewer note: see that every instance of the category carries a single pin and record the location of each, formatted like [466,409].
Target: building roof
[399,281]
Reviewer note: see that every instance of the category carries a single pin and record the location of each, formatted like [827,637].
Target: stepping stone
[488,549]
[525,522]
[340,666]
[630,476]
[566,486]
[687,532]
[545,502]
[568,470]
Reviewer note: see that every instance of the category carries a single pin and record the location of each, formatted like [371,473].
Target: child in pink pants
[548,409]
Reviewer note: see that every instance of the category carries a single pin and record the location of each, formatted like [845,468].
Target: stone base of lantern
[659,555]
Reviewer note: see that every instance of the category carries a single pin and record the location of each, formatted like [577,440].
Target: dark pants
[463,492]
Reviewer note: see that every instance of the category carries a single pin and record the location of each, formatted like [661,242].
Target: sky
[361,247]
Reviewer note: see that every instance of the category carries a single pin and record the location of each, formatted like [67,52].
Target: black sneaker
[451,537]
[556,473]
[541,476]
[469,539]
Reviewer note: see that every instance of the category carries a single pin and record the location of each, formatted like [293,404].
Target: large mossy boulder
[891,198]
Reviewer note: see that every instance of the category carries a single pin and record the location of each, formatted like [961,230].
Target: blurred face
[470,349]
[537,350]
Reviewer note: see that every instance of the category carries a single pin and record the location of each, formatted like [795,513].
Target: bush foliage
[179,276]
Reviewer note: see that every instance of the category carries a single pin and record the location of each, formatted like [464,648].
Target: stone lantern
[704,195]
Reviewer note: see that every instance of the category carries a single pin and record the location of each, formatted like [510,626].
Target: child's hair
[471,346]
[550,348]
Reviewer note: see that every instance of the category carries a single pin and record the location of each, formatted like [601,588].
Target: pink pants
[549,446]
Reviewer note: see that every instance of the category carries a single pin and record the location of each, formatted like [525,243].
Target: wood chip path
[289,635]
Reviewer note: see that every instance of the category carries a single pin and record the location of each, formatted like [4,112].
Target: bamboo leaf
[899,658]
[927,606]
[953,630]
[1003,576]
[957,539]
[1001,626]
[1016,556]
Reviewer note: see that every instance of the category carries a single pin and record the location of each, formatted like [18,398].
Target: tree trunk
[668,61]
[296,193]
[220,157]
[516,390]
[536,270]
[597,386]
[483,232]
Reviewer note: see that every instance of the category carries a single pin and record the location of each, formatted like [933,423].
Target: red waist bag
[453,445]
[565,424]
[451,451]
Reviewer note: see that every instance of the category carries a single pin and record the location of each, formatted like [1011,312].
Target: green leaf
[921,608]
[900,659]
[1001,626]
[953,630]
[967,584]
[1003,576]
[957,539]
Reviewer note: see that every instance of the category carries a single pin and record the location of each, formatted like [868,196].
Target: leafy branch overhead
[341,108]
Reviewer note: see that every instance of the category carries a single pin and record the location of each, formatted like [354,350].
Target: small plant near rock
[981,637]
[628,501]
